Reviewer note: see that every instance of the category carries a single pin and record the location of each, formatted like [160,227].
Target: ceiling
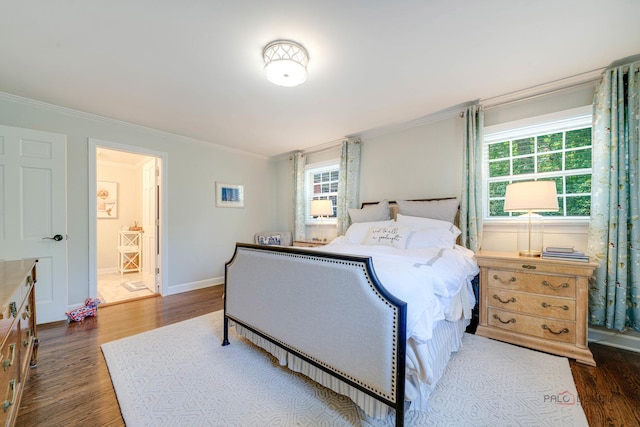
[194,68]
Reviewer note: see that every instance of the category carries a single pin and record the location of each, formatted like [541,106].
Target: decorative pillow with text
[388,235]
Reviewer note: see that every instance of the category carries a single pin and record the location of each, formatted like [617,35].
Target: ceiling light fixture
[285,63]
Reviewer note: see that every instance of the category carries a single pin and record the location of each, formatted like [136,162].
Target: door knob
[57,237]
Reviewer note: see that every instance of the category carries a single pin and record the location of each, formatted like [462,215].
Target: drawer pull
[28,340]
[27,312]
[506,282]
[563,285]
[11,390]
[562,331]
[563,307]
[529,267]
[512,299]
[495,316]
[9,362]
[13,308]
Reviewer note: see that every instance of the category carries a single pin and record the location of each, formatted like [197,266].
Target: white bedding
[427,279]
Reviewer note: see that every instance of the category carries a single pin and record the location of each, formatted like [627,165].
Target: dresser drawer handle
[495,316]
[512,299]
[26,313]
[13,309]
[564,307]
[562,331]
[555,288]
[506,282]
[28,338]
[9,362]
[529,267]
[11,390]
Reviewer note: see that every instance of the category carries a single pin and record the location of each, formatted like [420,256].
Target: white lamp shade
[285,63]
[531,196]
[321,208]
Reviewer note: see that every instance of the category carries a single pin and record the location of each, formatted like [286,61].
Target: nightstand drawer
[540,305]
[550,329]
[561,286]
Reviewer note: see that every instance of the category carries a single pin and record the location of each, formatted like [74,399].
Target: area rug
[134,286]
[180,375]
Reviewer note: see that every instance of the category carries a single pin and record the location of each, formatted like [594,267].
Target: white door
[33,211]
[150,224]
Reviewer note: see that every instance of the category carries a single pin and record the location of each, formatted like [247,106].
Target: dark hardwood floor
[71,384]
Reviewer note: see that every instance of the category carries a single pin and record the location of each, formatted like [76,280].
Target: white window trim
[565,120]
[308,170]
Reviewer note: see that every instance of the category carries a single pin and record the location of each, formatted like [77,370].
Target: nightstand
[536,303]
[308,243]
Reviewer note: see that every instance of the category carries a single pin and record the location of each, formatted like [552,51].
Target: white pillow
[445,210]
[388,235]
[418,223]
[357,232]
[377,212]
[431,238]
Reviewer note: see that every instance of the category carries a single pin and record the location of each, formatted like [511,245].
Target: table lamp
[530,197]
[321,208]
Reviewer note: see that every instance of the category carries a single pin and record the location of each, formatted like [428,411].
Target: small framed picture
[107,199]
[229,195]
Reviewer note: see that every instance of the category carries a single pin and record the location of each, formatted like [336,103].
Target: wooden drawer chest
[18,342]
[536,303]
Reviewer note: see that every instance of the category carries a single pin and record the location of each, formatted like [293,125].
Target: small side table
[536,303]
[308,243]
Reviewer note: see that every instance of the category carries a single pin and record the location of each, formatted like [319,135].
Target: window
[555,148]
[321,182]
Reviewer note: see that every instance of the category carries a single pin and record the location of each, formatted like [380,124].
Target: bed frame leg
[400,415]
[225,340]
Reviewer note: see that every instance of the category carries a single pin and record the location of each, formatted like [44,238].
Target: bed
[374,315]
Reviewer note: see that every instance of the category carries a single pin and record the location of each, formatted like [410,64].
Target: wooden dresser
[536,303]
[17,331]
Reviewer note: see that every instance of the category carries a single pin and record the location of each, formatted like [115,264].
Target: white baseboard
[627,340]
[192,286]
[108,270]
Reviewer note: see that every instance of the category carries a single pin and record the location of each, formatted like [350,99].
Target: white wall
[200,237]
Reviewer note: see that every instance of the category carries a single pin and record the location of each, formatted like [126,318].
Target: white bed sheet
[429,278]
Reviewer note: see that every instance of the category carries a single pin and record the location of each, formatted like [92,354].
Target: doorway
[127,228]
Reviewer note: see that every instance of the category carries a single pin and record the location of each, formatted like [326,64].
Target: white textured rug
[180,375]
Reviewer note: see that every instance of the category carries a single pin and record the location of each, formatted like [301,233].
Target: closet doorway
[127,224]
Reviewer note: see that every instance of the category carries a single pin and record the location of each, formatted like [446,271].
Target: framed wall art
[229,195]
[107,199]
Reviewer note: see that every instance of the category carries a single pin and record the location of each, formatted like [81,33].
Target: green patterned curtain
[298,161]
[349,182]
[471,200]
[614,231]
